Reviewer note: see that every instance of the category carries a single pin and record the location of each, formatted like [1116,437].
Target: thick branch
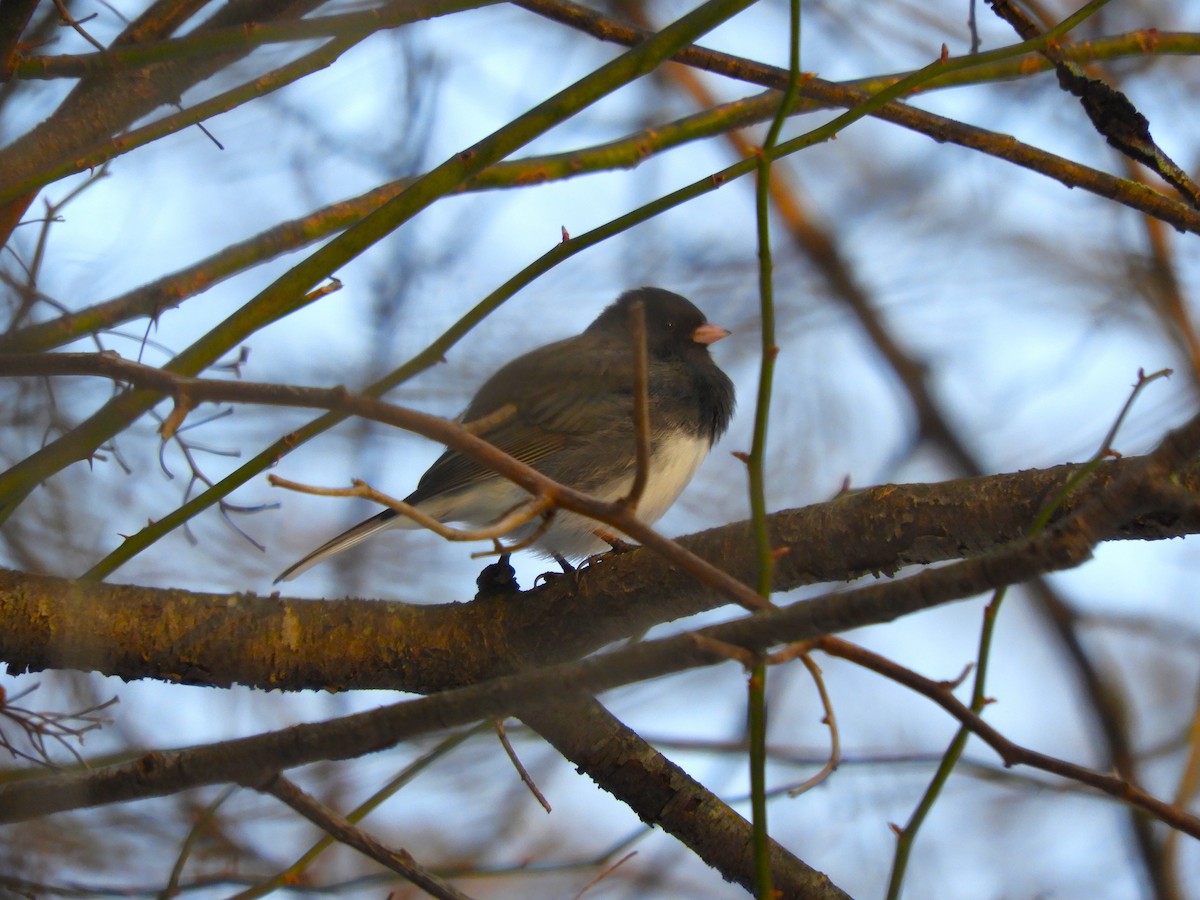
[190,391]
[663,794]
[273,642]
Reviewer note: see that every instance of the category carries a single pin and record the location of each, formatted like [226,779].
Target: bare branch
[1011,753]
[526,512]
[399,861]
[526,778]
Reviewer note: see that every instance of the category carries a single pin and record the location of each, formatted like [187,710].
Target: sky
[1017,293]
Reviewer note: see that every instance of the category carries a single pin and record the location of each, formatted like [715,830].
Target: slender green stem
[757,687]
[756,721]
[907,837]
[1100,455]
[199,825]
[941,776]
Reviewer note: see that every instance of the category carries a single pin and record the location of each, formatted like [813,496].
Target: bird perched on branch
[567,410]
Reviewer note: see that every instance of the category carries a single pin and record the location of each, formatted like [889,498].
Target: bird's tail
[389,518]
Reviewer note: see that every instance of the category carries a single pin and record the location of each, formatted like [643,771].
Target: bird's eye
[670,325]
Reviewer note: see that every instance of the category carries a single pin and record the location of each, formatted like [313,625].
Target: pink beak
[709,334]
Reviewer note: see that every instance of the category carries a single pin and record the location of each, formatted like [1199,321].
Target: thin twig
[605,874]
[1011,754]
[830,720]
[123,57]
[292,874]
[76,24]
[525,512]
[38,727]
[526,778]
[399,861]
[189,842]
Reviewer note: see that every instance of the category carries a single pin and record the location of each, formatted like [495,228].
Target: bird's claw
[497,579]
[568,571]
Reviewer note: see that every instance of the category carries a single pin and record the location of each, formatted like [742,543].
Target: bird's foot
[497,579]
[617,544]
[568,571]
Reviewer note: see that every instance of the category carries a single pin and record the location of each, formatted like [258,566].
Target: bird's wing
[557,399]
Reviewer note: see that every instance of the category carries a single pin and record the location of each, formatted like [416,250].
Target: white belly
[674,463]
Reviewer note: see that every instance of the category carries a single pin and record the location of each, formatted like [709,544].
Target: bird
[567,410]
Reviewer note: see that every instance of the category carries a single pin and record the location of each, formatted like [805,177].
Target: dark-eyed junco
[571,418]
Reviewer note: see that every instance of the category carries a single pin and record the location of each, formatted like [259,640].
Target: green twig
[189,842]
[757,686]
[1106,450]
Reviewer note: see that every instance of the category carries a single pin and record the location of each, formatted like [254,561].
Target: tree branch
[662,794]
[1011,753]
[400,861]
[218,639]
